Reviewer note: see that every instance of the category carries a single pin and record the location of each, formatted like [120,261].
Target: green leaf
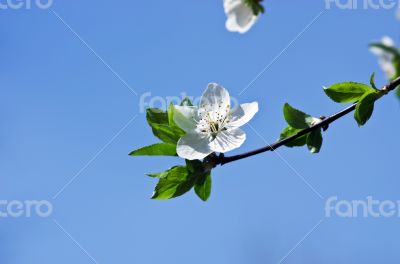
[159,149]
[202,186]
[365,108]
[186,102]
[255,6]
[398,92]
[396,63]
[296,118]
[161,174]
[165,133]
[195,166]
[314,141]
[347,92]
[372,81]
[290,131]
[159,122]
[177,130]
[157,116]
[173,183]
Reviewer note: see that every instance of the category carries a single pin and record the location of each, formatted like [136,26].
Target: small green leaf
[186,102]
[396,63]
[165,133]
[161,174]
[347,92]
[398,92]
[159,149]
[173,183]
[202,186]
[157,116]
[290,131]
[365,108]
[195,166]
[314,141]
[255,6]
[296,118]
[372,81]
[159,122]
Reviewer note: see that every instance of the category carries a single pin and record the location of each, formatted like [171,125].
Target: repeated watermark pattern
[25,4]
[367,208]
[362,4]
[149,100]
[26,208]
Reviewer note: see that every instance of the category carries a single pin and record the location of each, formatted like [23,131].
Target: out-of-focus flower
[240,16]
[385,56]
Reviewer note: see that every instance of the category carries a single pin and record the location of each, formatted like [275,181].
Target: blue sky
[66,116]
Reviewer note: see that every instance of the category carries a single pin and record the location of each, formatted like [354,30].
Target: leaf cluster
[179,179]
[297,121]
[362,95]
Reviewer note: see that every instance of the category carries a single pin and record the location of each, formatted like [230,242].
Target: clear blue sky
[61,106]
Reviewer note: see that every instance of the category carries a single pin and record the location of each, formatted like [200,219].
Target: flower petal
[240,16]
[185,117]
[385,58]
[243,114]
[193,146]
[388,68]
[228,140]
[215,98]
[388,41]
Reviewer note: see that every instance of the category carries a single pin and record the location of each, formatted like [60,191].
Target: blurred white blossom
[240,17]
[385,58]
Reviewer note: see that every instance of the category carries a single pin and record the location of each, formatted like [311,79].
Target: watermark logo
[361,208]
[25,4]
[27,208]
[148,100]
[361,4]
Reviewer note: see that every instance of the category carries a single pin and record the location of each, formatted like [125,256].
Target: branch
[221,159]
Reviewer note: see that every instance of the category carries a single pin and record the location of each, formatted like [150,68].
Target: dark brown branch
[221,160]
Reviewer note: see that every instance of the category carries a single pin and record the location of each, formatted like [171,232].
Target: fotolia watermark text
[361,208]
[25,4]
[27,208]
[148,100]
[361,4]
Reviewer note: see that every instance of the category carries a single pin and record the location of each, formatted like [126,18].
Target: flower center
[213,122]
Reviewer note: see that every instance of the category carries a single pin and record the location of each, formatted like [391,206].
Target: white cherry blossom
[385,58]
[240,17]
[213,126]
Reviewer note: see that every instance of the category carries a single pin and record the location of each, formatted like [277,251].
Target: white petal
[388,68]
[228,140]
[240,16]
[376,51]
[215,98]
[385,58]
[388,41]
[193,146]
[185,117]
[243,114]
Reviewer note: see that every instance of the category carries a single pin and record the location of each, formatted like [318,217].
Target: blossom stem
[221,160]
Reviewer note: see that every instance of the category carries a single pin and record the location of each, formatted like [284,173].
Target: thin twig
[221,160]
